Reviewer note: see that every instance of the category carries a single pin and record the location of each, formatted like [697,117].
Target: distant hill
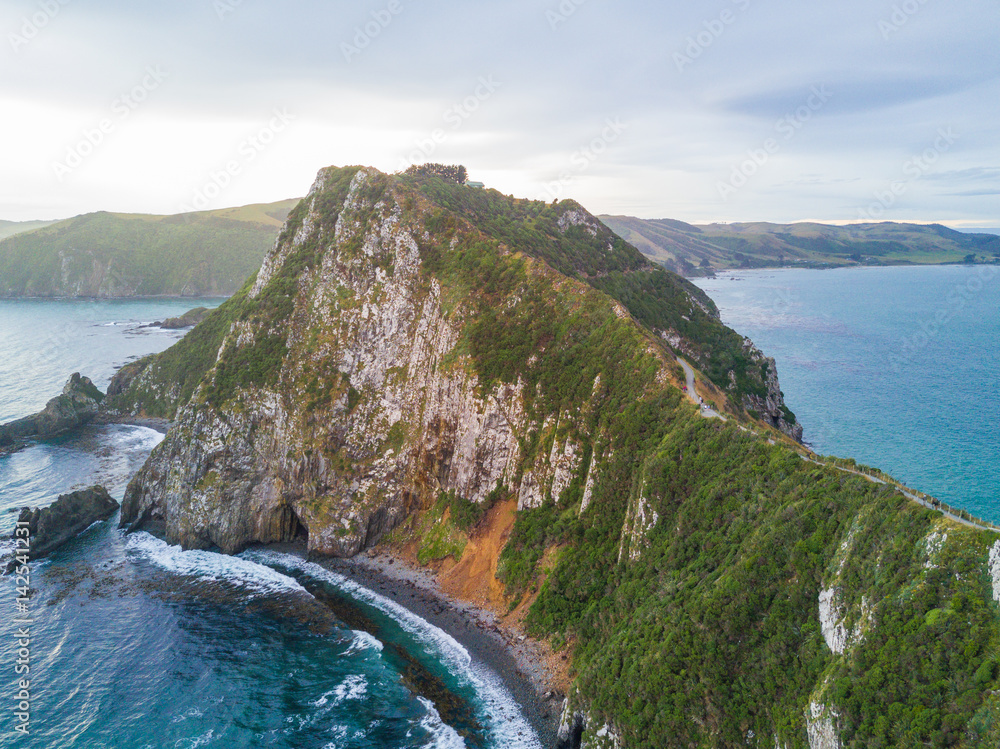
[695,250]
[209,253]
[10,228]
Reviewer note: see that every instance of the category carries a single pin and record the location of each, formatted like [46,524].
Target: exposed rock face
[579,730]
[771,407]
[71,514]
[821,727]
[375,410]
[830,620]
[77,405]
[994,568]
[369,368]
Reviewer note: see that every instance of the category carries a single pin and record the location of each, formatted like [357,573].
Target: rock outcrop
[51,527]
[345,391]
[77,405]
[188,320]
[770,407]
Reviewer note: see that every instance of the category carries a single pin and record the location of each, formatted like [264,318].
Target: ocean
[135,644]
[898,367]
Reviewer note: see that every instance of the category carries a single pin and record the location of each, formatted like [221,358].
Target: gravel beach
[517,660]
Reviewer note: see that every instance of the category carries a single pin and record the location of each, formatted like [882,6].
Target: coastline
[159,425]
[521,663]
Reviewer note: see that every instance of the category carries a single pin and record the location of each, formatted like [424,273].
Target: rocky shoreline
[158,425]
[519,661]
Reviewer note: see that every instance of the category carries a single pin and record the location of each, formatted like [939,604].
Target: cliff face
[374,405]
[770,406]
[412,349]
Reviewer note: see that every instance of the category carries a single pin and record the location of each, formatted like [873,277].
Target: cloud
[368,82]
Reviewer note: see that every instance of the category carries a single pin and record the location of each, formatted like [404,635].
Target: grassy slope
[693,249]
[105,254]
[10,228]
[662,301]
[711,631]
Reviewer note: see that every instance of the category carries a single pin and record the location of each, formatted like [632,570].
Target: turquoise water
[138,644]
[897,368]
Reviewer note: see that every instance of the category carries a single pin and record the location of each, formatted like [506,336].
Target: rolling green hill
[10,228]
[698,250]
[209,253]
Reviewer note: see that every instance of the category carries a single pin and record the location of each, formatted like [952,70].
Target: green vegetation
[186,365]
[699,250]
[713,630]
[690,583]
[455,173]
[659,300]
[10,228]
[438,534]
[104,254]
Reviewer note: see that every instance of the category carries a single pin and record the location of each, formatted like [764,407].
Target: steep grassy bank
[413,352]
[120,255]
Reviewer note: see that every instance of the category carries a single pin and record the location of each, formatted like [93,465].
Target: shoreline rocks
[78,404]
[51,527]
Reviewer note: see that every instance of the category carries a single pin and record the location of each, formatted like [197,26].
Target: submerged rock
[51,527]
[77,405]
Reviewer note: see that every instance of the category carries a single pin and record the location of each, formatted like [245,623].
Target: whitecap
[507,725]
[135,438]
[444,736]
[209,566]
[436,642]
[195,741]
[352,688]
[363,641]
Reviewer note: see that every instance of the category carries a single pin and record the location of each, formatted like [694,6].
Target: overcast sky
[722,110]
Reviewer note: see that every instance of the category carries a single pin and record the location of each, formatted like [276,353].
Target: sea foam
[209,566]
[508,728]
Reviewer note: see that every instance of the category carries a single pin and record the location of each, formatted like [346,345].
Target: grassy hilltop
[209,253]
[699,250]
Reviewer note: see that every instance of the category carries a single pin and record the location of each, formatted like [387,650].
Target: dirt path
[692,393]
[907,494]
[709,413]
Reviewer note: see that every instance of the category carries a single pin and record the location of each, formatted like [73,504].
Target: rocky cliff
[53,526]
[348,391]
[412,350]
